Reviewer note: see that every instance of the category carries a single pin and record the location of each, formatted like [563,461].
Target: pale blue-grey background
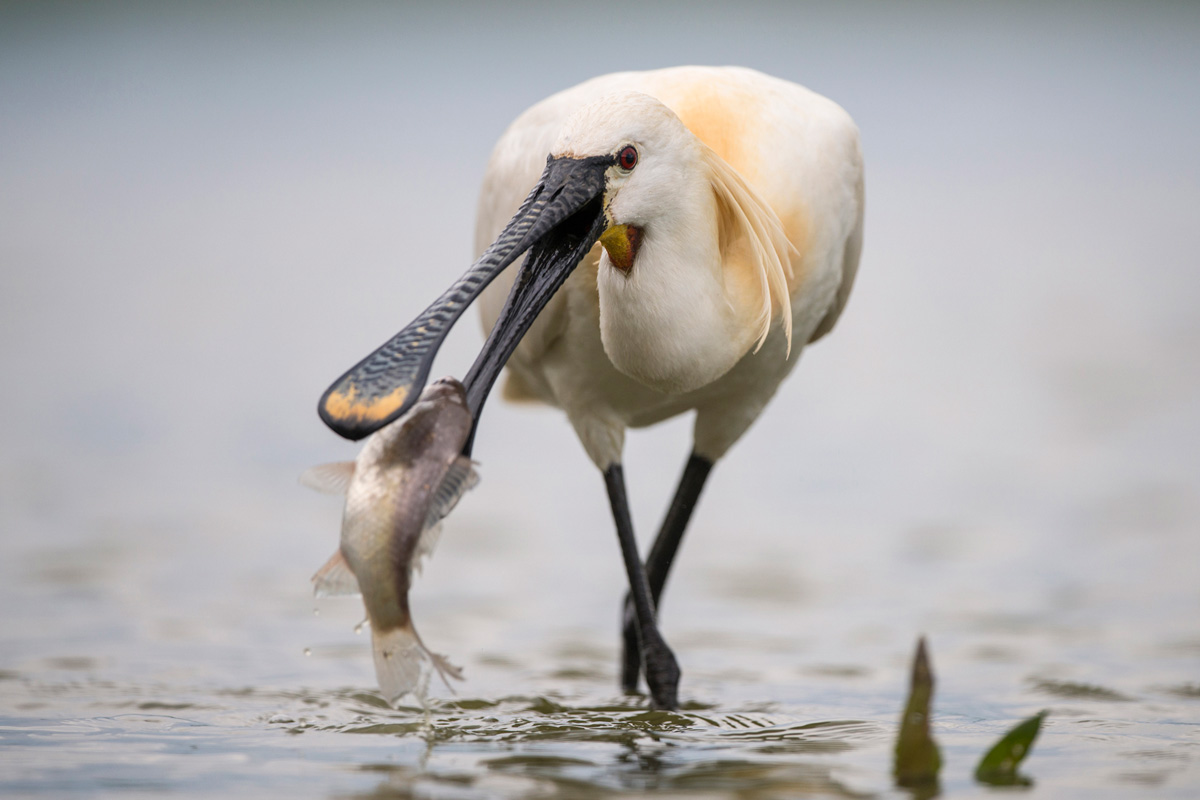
[208,212]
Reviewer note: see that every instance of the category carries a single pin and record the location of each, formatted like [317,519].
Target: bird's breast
[666,324]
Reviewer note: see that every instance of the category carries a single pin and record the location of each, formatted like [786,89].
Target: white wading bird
[726,210]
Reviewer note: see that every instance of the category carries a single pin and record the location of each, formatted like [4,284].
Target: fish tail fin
[397,661]
[398,656]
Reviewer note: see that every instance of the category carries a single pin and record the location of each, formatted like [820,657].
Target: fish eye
[628,157]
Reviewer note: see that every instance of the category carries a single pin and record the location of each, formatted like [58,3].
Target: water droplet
[308,651]
[316,612]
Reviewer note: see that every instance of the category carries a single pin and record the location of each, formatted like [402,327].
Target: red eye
[628,157]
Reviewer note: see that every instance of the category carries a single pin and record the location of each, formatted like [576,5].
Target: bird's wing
[849,269]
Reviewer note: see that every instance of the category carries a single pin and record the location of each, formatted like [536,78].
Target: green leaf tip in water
[998,767]
[917,758]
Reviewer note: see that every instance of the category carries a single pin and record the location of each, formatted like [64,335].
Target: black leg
[658,563]
[662,671]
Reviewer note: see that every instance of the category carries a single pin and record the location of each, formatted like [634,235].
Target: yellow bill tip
[347,413]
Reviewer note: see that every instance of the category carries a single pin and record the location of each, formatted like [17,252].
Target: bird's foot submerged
[662,674]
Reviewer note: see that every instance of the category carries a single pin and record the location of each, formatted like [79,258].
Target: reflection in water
[1071,689]
[630,749]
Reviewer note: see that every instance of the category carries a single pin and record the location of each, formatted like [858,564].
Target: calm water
[206,216]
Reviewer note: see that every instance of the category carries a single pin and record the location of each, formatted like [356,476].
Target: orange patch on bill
[343,405]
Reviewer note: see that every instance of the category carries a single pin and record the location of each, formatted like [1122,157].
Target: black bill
[558,223]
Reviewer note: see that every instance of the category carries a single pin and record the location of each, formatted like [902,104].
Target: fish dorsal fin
[331,478]
[459,479]
[335,579]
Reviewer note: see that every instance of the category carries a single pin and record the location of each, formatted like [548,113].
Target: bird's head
[578,199]
[651,158]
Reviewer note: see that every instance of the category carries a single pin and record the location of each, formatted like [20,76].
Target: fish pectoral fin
[460,478]
[335,579]
[429,539]
[331,478]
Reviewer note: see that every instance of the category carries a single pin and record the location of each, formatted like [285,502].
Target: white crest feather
[745,212]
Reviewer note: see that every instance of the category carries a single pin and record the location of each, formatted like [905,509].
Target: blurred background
[208,212]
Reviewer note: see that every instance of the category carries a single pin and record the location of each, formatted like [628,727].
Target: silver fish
[406,479]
